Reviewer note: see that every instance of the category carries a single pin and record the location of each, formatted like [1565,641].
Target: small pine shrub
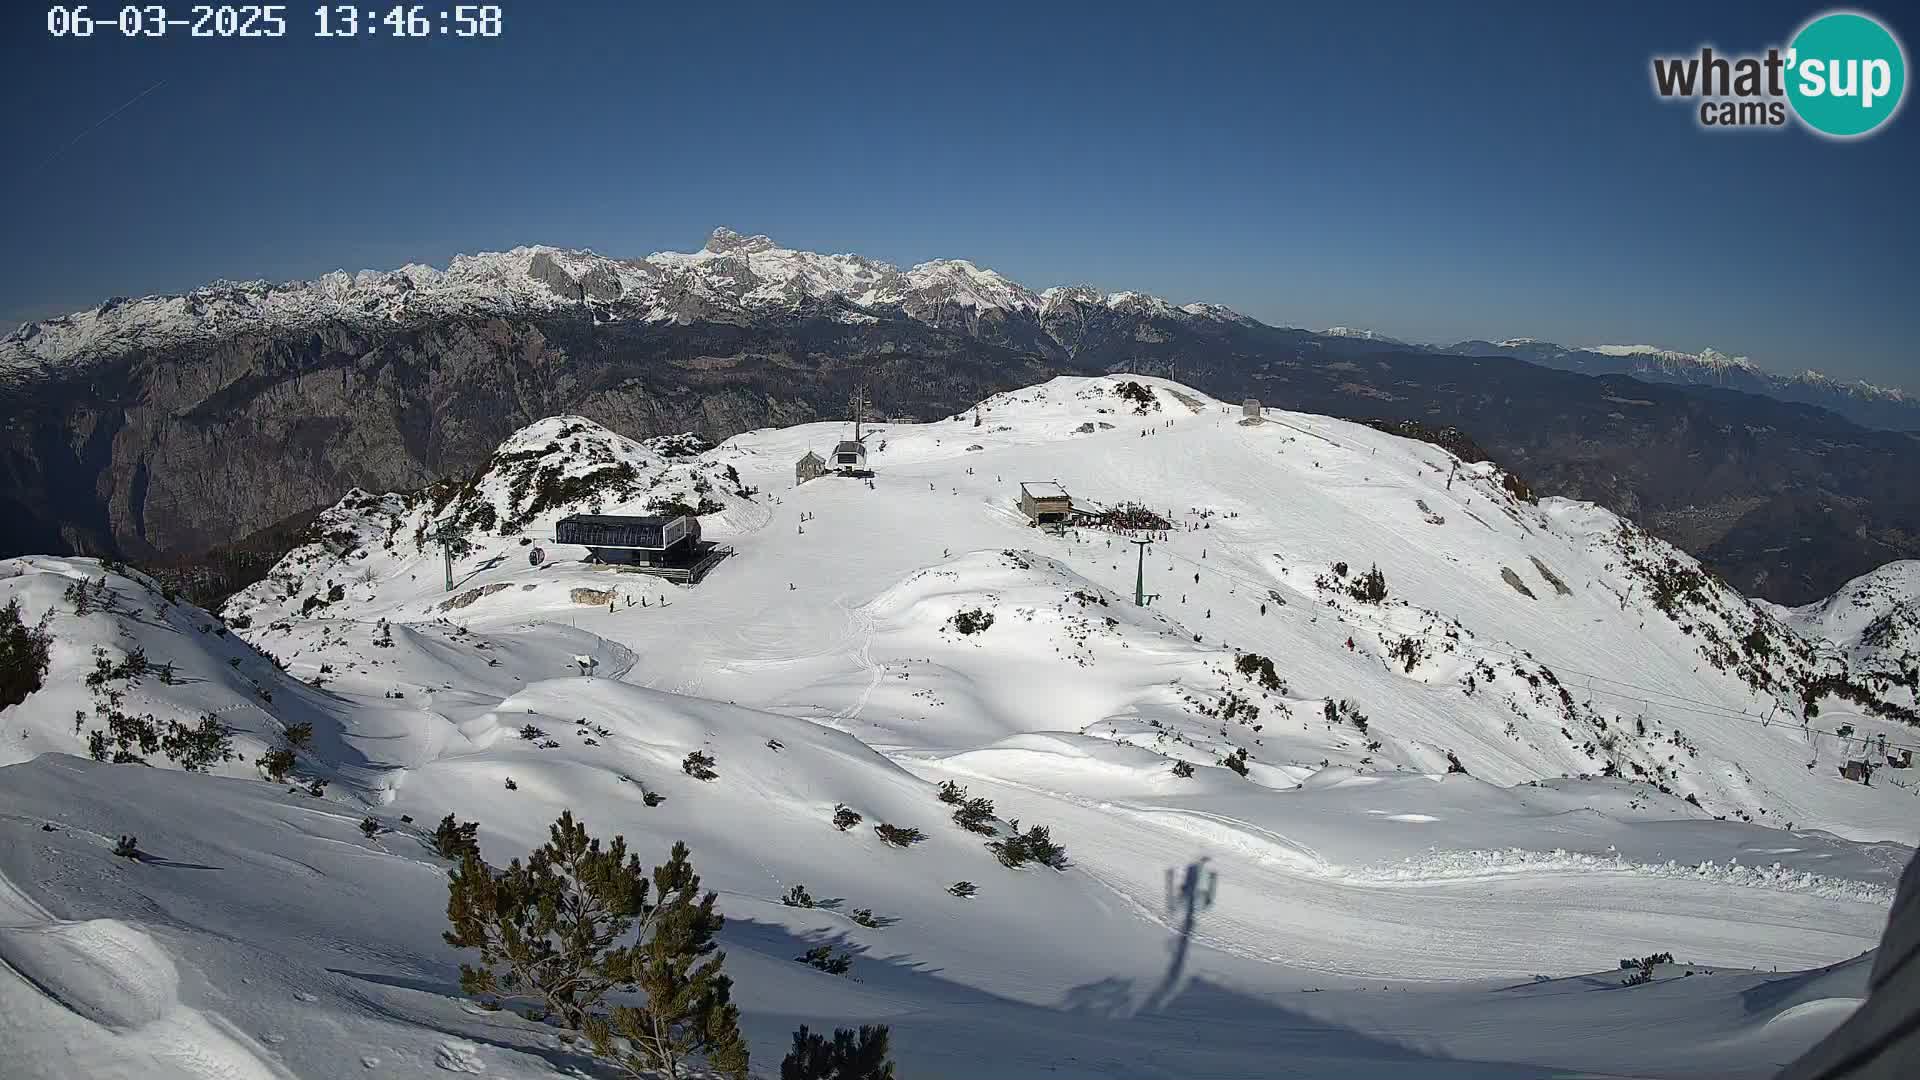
[1453,763]
[276,764]
[532,733]
[1260,670]
[699,765]
[951,793]
[963,889]
[798,897]
[850,1055]
[369,827]
[864,917]
[825,959]
[897,836]
[971,621]
[198,748]
[976,816]
[128,848]
[455,840]
[1643,968]
[1182,769]
[1370,587]
[511,786]
[844,817]
[1035,845]
[1237,761]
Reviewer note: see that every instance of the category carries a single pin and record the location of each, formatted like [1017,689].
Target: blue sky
[1423,170]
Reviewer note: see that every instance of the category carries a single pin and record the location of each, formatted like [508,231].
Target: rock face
[187,448]
[169,425]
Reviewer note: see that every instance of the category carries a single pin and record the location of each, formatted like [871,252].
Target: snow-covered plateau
[1387,778]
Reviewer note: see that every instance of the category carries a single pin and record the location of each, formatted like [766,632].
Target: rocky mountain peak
[725,241]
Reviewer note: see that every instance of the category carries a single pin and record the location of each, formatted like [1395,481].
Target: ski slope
[1639,776]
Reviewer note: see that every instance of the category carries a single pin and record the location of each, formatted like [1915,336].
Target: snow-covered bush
[699,765]
[1035,845]
[897,836]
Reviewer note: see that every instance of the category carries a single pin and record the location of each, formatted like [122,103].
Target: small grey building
[1046,502]
[850,454]
[808,467]
[1251,408]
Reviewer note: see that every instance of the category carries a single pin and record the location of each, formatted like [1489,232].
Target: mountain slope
[165,426]
[1465,655]
[1267,724]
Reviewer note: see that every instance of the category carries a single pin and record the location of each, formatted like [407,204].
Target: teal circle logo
[1846,74]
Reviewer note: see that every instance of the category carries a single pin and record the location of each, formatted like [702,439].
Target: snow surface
[1374,914]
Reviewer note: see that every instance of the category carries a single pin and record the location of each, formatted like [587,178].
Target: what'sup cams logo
[1842,76]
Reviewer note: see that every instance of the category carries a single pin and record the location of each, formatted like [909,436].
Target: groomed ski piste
[1414,834]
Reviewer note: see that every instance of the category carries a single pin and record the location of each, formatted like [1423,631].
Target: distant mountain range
[171,425]
[1862,402]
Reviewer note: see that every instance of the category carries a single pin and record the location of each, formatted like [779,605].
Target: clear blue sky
[1431,173]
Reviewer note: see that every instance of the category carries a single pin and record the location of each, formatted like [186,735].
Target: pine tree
[850,1055]
[689,1009]
[456,840]
[550,930]
[24,654]
[201,746]
[546,928]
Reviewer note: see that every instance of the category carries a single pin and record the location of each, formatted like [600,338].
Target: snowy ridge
[732,276]
[1706,358]
[1363,335]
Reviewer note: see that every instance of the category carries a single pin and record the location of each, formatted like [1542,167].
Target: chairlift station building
[642,540]
[1046,502]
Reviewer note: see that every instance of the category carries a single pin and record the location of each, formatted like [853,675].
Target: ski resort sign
[1843,76]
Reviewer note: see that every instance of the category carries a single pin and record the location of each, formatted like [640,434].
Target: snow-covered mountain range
[1858,400]
[732,277]
[1419,732]
[745,277]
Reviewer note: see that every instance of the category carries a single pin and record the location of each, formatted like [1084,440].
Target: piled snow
[865,645]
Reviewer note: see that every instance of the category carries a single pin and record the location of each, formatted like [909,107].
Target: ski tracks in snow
[860,629]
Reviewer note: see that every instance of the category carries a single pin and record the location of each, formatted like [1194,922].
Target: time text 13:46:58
[410,20]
